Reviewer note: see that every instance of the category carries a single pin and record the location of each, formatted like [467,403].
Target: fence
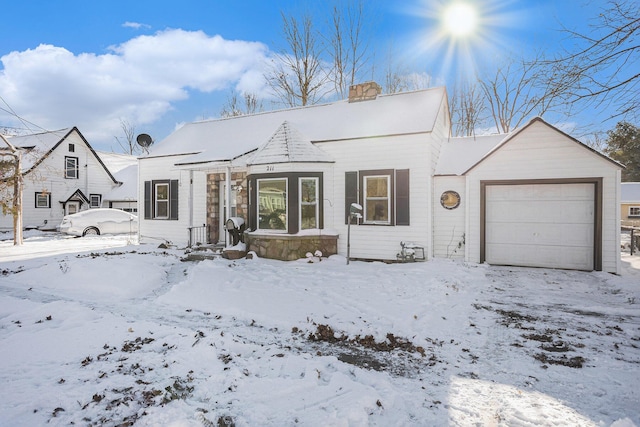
[198,235]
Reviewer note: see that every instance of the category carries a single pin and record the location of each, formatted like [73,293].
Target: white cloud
[137,80]
[135,25]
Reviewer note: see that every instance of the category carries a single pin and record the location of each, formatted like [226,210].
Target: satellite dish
[144,140]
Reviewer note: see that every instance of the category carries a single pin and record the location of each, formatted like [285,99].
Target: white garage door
[540,225]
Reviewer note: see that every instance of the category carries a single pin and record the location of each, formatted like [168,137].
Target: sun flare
[460,19]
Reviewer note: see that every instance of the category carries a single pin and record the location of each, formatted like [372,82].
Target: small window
[377,199]
[634,211]
[161,201]
[43,200]
[308,203]
[71,167]
[96,200]
[272,204]
[72,148]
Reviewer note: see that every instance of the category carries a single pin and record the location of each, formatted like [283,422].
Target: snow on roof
[116,162]
[129,188]
[36,145]
[459,154]
[630,192]
[288,145]
[228,138]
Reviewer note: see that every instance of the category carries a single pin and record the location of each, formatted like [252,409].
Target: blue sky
[158,64]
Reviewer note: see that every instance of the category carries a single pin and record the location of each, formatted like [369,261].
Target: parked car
[94,222]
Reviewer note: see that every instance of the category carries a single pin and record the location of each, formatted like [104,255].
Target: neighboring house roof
[288,145]
[459,154]
[228,138]
[117,161]
[630,192]
[38,146]
[128,191]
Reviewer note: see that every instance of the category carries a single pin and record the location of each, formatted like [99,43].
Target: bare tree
[12,179]
[347,43]
[297,75]
[516,91]
[602,67]
[129,144]
[467,108]
[233,107]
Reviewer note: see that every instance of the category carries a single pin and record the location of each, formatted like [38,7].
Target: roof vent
[364,91]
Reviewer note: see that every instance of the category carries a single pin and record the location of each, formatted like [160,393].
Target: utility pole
[17,193]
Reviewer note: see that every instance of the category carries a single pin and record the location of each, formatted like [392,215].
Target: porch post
[227,205]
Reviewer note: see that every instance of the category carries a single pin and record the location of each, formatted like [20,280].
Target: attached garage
[541,223]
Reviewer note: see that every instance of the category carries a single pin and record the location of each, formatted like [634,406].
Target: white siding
[50,176]
[449,225]
[540,152]
[174,231]
[400,152]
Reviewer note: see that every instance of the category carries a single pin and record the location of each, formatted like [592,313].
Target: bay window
[272,199]
[308,203]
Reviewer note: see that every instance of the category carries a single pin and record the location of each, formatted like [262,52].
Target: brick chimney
[364,91]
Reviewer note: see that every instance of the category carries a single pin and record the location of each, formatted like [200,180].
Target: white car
[94,222]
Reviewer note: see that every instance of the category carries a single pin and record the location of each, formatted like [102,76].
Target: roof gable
[287,145]
[514,134]
[37,147]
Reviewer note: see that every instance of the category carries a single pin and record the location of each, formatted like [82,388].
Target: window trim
[315,203]
[48,199]
[156,185]
[383,173]
[286,207]
[75,169]
[99,199]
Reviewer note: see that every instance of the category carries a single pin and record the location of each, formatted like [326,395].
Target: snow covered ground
[102,331]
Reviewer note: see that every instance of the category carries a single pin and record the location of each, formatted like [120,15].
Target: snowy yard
[102,331]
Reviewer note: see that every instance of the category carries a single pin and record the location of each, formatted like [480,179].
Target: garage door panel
[565,235]
[542,225]
[531,211]
[547,256]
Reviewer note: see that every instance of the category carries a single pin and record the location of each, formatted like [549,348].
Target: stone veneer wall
[213,200]
[290,247]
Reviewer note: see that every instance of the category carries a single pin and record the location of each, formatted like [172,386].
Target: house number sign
[450,199]
[271,168]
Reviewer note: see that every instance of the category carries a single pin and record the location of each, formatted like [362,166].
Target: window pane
[308,217]
[162,209]
[308,203]
[308,191]
[272,210]
[377,210]
[377,199]
[42,200]
[377,187]
[162,201]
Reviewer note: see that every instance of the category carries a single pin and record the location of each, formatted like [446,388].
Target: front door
[222,218]
[72,207]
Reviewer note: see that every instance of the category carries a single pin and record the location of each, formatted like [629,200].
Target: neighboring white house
[534,197]
[630,203]
[62,175]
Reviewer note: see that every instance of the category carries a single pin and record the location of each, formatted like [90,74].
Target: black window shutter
[402,197]
[350,193]
[147,200]
[173,199]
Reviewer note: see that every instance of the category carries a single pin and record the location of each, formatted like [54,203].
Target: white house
[62,175]
[534,197]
